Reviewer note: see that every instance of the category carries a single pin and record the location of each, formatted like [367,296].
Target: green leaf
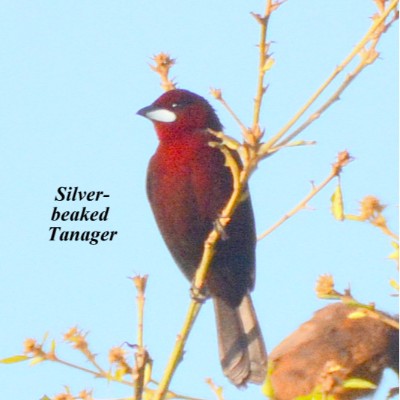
[36,360]
[119,374]
[395,254]
[357,314]
[301,143]
[268,64]
[53,346]
[316,396]
[312,396]
[337,204]
[358,383]
[267,388]
[14,359]
[394,284]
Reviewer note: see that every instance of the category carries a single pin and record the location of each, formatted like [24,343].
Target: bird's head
[179,112]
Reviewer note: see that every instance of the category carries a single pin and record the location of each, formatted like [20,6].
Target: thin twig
[163,64]
[313,117]
[216,389]
[356,50]
[141,355]
[140,284]
[343,159]
[89,371]
[263,50]
[217,93]
[177,352]
[366,60]
[382,317]
[389,232]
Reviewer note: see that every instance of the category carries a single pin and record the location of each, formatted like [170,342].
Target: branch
[373,34]
[217,93]
[177,352]
[342,160]
[335,97]
[163,63]
[325,289]
[265,60]
[141,355]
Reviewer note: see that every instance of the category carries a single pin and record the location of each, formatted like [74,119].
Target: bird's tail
[241,345]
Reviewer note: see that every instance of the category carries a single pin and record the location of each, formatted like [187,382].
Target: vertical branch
[263,21]
[177,352]
[140,284]
[141,355]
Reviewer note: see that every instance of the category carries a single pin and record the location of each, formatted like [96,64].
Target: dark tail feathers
[241,345]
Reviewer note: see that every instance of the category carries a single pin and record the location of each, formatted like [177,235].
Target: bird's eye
[181,103]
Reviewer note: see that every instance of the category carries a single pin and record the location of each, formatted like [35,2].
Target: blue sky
[73,74]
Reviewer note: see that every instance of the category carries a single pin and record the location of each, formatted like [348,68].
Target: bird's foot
[220,228]
[198,295]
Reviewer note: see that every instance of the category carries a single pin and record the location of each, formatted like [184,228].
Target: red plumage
[188,185]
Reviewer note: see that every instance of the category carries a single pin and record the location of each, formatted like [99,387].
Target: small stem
[216,389]
[92,359]
[141,361]
[140,284]
[233,114]
[89,371]
[389,232]
[349,78]
[141,355]
[336,169]
[382,317]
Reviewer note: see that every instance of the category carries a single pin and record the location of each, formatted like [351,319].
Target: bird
[331,348]
[188,185]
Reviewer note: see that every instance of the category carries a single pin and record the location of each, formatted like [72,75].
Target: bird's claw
[220,228]
[198,295]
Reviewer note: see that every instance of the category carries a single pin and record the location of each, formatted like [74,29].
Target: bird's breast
[188,186]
